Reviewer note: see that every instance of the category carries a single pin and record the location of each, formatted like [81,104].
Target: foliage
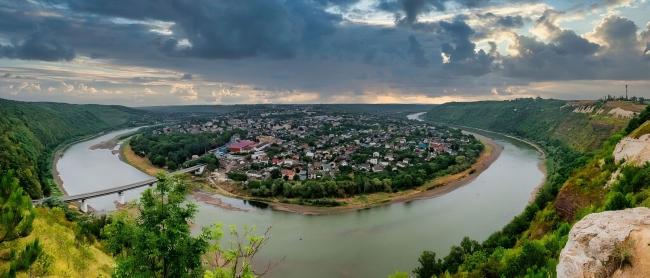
[235,260]
[158,243]
[534,119]
[638,120]
[16,211]
[25,258]
[174,149]
[429,266]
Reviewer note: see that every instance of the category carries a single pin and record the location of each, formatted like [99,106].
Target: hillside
[30,132]
[64,253]
[582,125]
[578,184]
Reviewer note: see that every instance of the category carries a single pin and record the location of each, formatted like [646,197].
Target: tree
[159,243]
[16,211]
[429,266]
[276,174]
[235,261]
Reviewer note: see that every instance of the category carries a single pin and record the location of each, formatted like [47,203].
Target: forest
[173,150]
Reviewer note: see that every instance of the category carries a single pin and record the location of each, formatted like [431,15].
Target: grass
[642,130]
[66,258]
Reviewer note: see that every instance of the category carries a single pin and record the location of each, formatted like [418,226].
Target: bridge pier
[122,199]
[84,206]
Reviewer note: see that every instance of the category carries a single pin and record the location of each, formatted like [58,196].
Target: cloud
[407,11]
[230,29]
[37,46]
[617,34]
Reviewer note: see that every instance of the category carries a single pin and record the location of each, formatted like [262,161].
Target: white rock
[593,239]
[635,151]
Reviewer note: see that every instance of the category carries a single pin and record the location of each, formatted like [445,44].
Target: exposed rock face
[593,240]
[633,150]
[622,113]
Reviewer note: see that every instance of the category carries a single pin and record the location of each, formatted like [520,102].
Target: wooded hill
[31,131]
[582,125]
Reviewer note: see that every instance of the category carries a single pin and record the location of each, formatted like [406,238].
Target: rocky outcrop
[633,150]
[622,113]
[593,241]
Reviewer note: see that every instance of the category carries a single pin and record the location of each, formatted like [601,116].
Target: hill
[582,125]
[31,131]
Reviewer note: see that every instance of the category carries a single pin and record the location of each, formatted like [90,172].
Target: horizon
[153,53]
[298,104]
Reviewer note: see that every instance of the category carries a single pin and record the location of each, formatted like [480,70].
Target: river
[367,243]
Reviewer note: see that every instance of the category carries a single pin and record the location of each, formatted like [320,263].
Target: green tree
[159,243]
[234,260]
[16,211]
[429,266]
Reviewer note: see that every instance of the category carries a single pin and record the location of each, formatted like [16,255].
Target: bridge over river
[198,169]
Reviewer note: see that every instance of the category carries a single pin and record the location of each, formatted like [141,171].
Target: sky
[180,52]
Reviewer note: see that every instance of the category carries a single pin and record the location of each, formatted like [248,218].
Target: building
[241,146]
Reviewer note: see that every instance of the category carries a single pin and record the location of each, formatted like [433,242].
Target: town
[300,143]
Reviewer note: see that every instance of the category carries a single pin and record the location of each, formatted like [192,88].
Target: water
[367,243]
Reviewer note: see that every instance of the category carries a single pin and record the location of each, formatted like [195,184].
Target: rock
[633,150]
[622,113]
[593,239]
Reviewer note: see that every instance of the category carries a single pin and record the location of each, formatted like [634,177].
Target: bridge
[198,169]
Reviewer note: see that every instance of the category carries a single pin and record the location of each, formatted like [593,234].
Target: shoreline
[431,189]
[60,150]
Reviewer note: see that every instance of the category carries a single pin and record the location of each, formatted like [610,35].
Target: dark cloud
[38,46]
[409,10]
[619,34]
[227,29]
[498,21]
[417,53]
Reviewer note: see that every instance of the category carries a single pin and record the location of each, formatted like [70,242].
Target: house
[288,173]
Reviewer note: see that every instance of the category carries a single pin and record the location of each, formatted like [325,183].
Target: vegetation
[358,182]
[530,244]
[16,219]
[158,243]
[30,133]
[174,149]
[536,119]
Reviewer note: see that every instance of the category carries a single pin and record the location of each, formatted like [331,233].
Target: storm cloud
[338,50]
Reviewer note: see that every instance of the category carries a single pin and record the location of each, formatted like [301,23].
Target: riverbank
[61,148]
[128,156]
[430,189]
